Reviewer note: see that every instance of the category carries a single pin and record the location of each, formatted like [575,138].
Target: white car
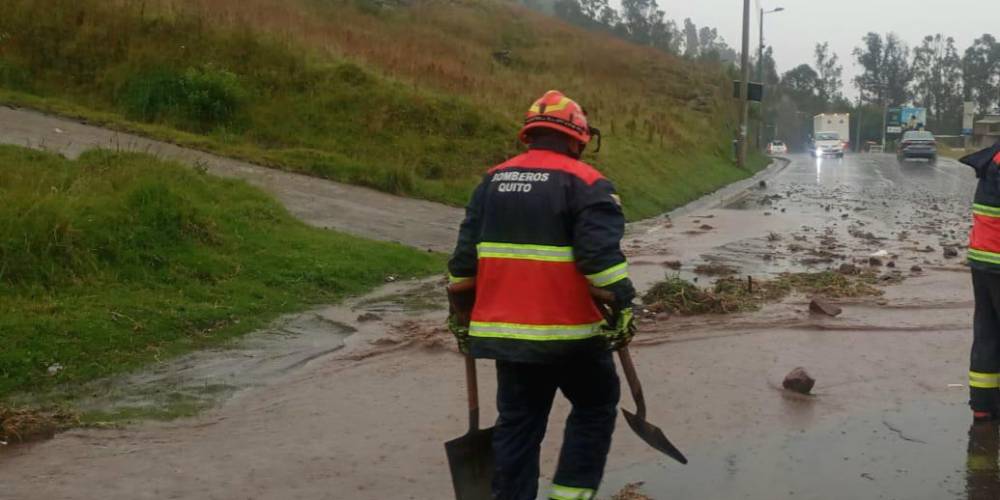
[777,148]
[827,144]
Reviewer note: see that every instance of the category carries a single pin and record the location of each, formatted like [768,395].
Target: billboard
[901,120]
[913,118]
[968,117]
[893,121]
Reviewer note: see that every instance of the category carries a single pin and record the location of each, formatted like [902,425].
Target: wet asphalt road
[917,442]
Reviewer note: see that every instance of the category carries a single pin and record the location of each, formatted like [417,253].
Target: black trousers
[525,393]
[984,366]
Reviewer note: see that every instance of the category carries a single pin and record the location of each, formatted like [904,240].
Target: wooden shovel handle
[472,389]
[605,298]
[633,381]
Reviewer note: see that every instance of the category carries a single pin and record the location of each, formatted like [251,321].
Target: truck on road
[831,134]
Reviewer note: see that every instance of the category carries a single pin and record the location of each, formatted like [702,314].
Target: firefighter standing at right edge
[984,260]
[540,230]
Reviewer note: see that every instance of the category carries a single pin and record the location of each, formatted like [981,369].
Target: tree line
[642,22]
[934,75]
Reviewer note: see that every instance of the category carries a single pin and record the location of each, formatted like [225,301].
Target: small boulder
[798,380]
[848,269]
[820,306]
[950,252]
[874,262]
[916,269]
[369,316]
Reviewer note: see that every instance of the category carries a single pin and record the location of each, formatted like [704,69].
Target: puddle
[922,450]
[186,385]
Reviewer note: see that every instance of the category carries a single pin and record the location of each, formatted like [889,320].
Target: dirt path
[322,203]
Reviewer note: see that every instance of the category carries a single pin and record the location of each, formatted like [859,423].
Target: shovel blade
[470,458]
[653,436]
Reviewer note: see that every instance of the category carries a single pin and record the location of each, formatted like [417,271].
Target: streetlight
[760,50]
[760,65]
[741,158]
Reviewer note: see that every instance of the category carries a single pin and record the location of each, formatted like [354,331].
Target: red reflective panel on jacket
[985,233]
[532,292]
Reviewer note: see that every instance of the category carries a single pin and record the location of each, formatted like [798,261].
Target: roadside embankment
[118,259]
[393,97]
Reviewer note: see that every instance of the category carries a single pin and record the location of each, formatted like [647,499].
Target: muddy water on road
[888,418]
[920,450]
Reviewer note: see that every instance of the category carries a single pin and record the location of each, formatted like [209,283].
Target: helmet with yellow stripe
[557,112]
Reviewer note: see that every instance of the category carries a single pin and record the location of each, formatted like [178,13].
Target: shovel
[649,433]
[471,456]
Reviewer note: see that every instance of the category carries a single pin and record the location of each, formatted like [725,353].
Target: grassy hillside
[407,99]
[116,260]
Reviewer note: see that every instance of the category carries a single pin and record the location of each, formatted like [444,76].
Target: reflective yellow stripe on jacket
[549,253]
[984,256]
[980,209]
[543,253]
[534,332]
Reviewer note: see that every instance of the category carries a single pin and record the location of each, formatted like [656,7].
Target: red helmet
[557,112]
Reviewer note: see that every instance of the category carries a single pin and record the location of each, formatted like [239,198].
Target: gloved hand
[620,328]
[620,334]
[461,298]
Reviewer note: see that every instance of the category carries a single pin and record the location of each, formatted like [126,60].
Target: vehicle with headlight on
[777,148]
[827,144]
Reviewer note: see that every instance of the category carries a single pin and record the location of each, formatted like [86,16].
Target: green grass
[116,260]
[407,101]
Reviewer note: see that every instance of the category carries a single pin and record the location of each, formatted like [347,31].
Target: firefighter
[539,231]
[984,259]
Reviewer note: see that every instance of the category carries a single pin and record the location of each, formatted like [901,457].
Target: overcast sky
[795,32]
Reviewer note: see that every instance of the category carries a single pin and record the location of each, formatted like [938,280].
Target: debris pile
[734,295]
[715,269]
[20,425]
[631,492]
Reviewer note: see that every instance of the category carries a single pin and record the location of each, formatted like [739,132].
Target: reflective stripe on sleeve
[534,332]
[525,252]
[984,380]
[609,276]
[457,279]
[569,493]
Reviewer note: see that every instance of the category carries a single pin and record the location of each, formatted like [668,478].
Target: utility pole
[745,87]
[760,76]
[885,117]
[760,71]
[861,120]
[760,50]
